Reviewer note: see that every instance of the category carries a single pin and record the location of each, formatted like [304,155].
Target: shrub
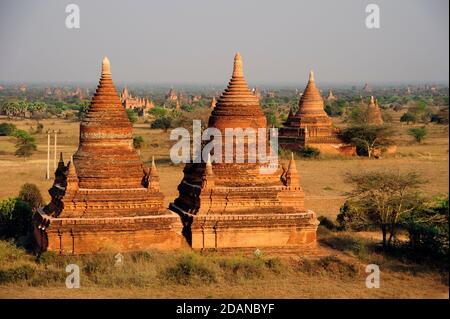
[309,152]
[329,265]
[164,122]
[418,133]
[275,265]
[132,117]
[243,267]
[158,111]
[25,144]
[327,223]
[24,272]
[142,256]
[351,217]
[348,243]
[15,218]
[428,228]
[408,117]
[10,252]
[189,268]
[7,129]
[29,193]
[138,142]
[97,264]
[48,258]
[47,277]
[441,117]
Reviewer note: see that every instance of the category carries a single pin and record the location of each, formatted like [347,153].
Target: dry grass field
[331,273]
[323,182]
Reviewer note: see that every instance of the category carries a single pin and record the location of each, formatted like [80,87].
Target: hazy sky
[180,41]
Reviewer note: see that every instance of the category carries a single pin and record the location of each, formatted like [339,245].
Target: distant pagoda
[311,125]
[234,205]
[105,198]
[330,97]
[374,113]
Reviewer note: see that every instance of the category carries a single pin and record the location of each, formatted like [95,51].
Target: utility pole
[48,155]
[54,155]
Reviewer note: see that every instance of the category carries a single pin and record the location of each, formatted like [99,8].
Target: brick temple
[141,105]
[234,205]
[311,125]
[374,113]
[105,199]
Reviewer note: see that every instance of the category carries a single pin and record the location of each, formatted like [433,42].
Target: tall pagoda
[104,198]
[227,205]
[311,125]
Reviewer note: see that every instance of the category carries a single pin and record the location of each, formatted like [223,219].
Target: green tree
[428,228]
[131,115]
[15,218]
[368,138]
[418,133]
[164,122]
[158,111]
[408,117]
[385,197]
[25,144]
[7,129]
[138,142]
[30,194]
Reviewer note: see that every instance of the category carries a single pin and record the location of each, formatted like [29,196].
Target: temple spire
[209,169]
[238,67]
[292,178]
[208,180]
[153,177]
[311,76]
[153,170]
[372,100]
[106,66]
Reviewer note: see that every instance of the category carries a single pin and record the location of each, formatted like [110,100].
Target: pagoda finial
[106,66]
[311,76]
[238,68]
[372,100]
[61,160]
[292,178]
[209,168]
[153,171]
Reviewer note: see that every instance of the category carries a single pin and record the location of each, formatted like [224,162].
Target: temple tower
[105,199]
[374,113]
[230,205]
[311,125]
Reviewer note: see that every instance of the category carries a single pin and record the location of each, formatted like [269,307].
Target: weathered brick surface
[233,205]
[104,198]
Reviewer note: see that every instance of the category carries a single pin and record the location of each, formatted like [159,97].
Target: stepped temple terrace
[104,198]
[236,205]
[311,126]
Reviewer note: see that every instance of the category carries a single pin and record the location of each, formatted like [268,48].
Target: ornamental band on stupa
[104,198]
